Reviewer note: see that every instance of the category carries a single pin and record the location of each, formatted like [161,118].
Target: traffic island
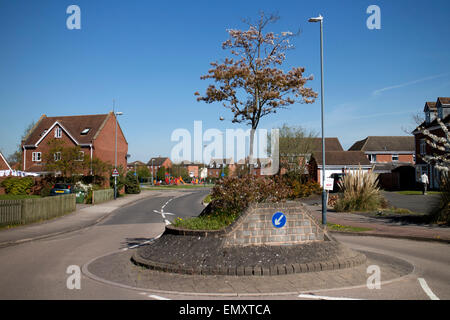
[267,239]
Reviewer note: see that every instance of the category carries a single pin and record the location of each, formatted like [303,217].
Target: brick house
[131,166]
[337,162]
[216,166]
[440,108]
[155,163]
[315,146]
[387,149]
[4,165]
[94,134]
[393,158]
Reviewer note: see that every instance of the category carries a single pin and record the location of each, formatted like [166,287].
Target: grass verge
[209,222]
[414,193]
[341,228]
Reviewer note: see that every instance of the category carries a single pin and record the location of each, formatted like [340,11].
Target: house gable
[4,165]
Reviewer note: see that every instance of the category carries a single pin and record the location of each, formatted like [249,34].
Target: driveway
[415,203]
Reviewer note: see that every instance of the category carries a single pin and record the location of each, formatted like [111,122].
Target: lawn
[414,192]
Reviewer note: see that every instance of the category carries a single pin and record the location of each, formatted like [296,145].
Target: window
[58,132]
[36,156]
[423,147]
[395,157]
[80,156]
[440,113]
[85,131]
[57,156]
[427,117]
[372,158]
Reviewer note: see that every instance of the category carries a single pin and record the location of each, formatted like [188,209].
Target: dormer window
[85,131]
[427,117]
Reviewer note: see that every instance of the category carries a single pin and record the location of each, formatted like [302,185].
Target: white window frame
[394,155]
[36,157]
[57,156]
[58,132]
[423,147]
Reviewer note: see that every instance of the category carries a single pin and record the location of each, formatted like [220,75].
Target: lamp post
[152,171]
[115,160]
[324,192]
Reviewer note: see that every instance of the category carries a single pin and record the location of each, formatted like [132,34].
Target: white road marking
[311,296]
[135,246]
[427,289]
[157,297]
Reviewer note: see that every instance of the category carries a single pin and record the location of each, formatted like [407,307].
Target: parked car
[337,177]
[61,188]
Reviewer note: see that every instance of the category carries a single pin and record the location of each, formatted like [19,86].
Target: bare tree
[250,83]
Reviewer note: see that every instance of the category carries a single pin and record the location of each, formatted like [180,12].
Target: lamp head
[316,19]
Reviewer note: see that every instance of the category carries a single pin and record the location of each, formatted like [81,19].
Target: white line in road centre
[311,296]
[427,289]
[157,297]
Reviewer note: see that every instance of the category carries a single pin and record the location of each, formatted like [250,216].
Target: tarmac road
[37,269]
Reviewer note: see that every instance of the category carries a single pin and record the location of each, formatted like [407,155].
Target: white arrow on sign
[278,221]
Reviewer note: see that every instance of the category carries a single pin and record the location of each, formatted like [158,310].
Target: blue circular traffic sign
[279,220]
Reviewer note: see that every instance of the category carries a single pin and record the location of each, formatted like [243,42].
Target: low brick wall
[254,227]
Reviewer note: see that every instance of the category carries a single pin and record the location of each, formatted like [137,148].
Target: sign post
[329,185]
[115,174]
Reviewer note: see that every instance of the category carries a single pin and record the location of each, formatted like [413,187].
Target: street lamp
[324,193]
[152,171]
[115,160]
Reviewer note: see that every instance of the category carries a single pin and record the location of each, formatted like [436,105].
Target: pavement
[84,216]
[385,226]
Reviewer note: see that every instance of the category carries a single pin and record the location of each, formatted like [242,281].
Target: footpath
[383,226]
[84,216]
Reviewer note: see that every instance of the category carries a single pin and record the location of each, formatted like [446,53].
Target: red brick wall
[401,158]
[44,147]
[104,145]
[3,165]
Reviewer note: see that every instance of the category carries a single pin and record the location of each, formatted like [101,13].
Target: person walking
[425,182]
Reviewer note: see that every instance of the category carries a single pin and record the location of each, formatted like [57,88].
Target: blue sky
[149,56]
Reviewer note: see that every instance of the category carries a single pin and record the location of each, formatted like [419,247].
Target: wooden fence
[99,196]
[31,210]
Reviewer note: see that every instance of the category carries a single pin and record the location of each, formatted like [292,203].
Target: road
[37,269]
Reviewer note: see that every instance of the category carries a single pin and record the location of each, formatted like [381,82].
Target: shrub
[300,185]
[442,213]
[18,186]
[360,192]
[232,195]
[132,184]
